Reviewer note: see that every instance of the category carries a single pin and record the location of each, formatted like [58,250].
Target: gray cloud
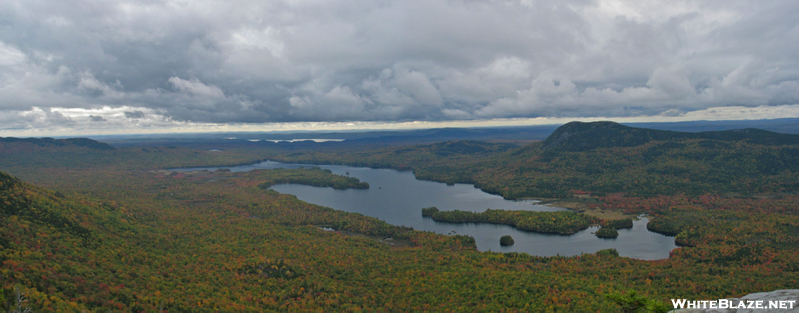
[134,114]
[288,61]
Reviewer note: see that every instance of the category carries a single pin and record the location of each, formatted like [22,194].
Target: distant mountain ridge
[581,136]
[80,142]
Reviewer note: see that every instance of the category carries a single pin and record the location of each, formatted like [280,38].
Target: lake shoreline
[398,196]
[580,205]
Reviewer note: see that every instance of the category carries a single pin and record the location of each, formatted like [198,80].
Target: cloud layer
[124,63]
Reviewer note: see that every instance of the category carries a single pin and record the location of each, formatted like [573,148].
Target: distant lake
[398,198]
[296,140]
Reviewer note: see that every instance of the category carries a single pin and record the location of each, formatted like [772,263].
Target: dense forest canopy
[108,229]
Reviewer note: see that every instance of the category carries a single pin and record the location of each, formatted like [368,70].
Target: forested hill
[51,244]
[606,157]
[80,142]
[580,136]
[599,157]
[37,207]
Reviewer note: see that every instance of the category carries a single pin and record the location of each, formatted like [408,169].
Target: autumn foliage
[110,230]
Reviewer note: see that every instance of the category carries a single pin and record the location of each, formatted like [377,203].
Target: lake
[398,198]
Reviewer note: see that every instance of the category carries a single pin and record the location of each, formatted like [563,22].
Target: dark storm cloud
[276,61]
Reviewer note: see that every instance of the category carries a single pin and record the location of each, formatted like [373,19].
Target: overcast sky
[141,66]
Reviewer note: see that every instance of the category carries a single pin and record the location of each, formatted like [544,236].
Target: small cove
[398,197]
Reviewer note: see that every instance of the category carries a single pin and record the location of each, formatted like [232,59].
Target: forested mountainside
[114,231]
[608,158]
[600,158]
[579,136]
